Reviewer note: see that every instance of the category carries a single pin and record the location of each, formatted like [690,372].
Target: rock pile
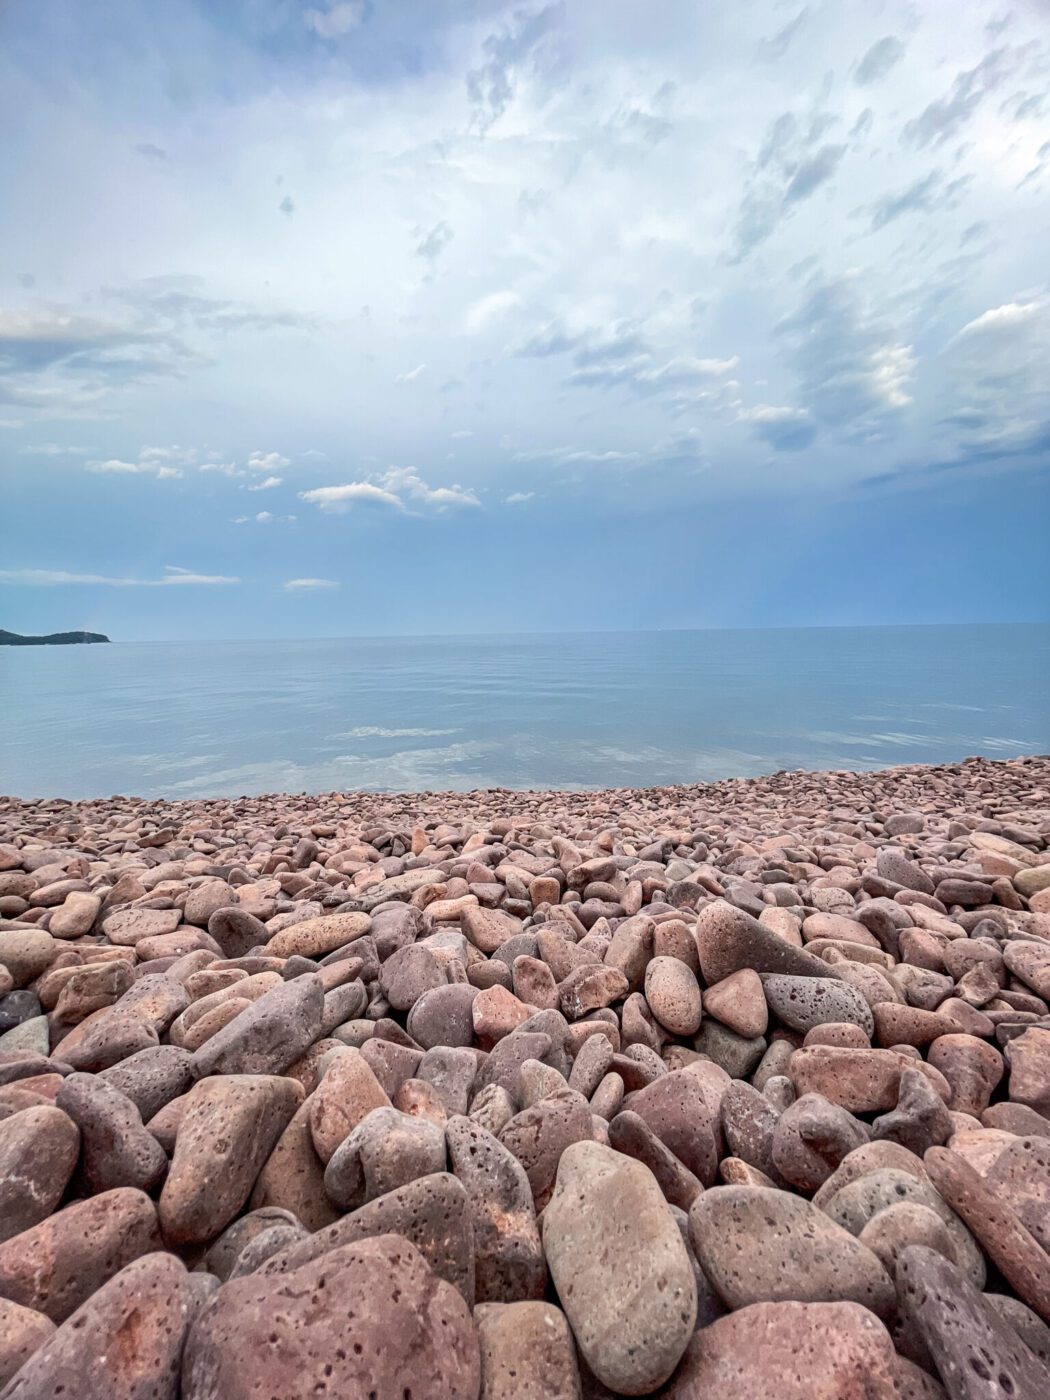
[735,1090]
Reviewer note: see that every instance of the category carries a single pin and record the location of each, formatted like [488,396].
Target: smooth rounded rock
[620,1268]
[790,1351]
[39,1148]
[758,1245]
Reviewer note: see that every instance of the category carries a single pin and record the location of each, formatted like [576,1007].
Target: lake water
[597,710]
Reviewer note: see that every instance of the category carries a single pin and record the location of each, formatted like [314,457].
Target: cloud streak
[173,577]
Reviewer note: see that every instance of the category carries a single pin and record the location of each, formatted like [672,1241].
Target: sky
[335,317]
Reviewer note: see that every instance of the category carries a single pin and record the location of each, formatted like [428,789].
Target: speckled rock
[527,1352]
[509,1258]
[433,1213]
[348,1091]
[805,1002]
[22,1333]
[386,1149]
[365,1318]
[811,1138]
[38,1153]
[620,1268]
[124,1343]
[679,1110]
[758,1245]
[793,1351]
[269,1035]
[978,1356]
[730,939]
[861,1080]
[673,994]
[230,1125]
[116,1150]
[56,1265]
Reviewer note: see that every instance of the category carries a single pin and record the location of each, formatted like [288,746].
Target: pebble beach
[732,1090]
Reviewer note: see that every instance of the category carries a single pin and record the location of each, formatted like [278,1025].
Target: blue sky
[332,318]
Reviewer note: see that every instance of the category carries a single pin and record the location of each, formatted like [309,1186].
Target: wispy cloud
[173,577]
[410,375]
[398,488]
[336,19]
[267,485]
[310,585]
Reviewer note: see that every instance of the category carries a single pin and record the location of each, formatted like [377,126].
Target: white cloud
[489,310]
[518,498]
[310,585]
[1002,318]
[397,488]
[336,499]
[337,19]
[410,375]
[174,577]
[269,462]
[268,484]
[264,517]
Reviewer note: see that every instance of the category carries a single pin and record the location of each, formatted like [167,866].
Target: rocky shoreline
[738,1089]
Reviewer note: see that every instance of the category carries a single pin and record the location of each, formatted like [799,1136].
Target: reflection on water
[597,710]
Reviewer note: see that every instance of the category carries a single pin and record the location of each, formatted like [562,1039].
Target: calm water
[597,710]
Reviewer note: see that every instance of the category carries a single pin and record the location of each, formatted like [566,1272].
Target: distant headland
[53,639]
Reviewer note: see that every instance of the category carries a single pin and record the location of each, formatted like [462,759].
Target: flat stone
[811,1138]
[348,1091]
[739,1002]
[620,1267]
[442,1016]
[488,929]
[863,1081]
[758,1245]
[1021,1175]
[920,1120]
[678,1108]
[153,1077]
[673,994]
[292,1178]
[540,1134]
[313,938]
[1028,1056]
[236,931]
[631,1135]
[997,1228]
[804,1002]
[269,1035]
[863,1200]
